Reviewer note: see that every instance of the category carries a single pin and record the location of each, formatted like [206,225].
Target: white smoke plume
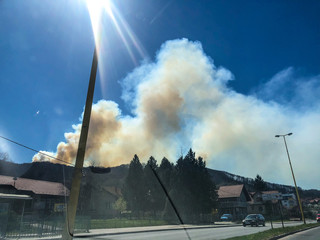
[183,100]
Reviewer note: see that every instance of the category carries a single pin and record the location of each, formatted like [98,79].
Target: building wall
[40,204]
[235,206]
[289,200]
[101,203]
[257,208]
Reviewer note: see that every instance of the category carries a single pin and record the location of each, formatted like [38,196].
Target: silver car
[254,220]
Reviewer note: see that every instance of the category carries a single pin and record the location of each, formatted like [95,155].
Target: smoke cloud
[182,100]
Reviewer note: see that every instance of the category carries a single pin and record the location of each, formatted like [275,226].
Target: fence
[32,226]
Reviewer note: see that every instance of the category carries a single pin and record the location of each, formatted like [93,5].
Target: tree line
[182,190]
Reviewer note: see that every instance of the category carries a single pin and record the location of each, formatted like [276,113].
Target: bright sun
[96,9]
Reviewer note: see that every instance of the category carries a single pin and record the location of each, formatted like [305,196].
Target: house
[45,195]
[233,200]
[310,201]
[102,199]
[289,201]
[96,199]
[6,201]
[259,199]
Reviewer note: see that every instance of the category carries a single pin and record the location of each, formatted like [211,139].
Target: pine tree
[134,186]
[166,177]
[207,189]
[193,191]
[165,171]
[153,186]
[259,184]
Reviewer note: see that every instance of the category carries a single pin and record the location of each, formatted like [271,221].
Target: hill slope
[60,173]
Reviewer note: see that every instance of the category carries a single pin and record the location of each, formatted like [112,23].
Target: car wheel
[257,224]
[264,224]
[244,224]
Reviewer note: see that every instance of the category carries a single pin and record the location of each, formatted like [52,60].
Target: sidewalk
[112,231]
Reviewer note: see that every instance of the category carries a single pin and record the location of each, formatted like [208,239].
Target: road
[199,234]
[312,234]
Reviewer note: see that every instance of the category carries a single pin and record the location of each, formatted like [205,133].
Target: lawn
[121,223]
[274,232]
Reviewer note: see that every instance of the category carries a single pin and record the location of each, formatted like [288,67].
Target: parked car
[226,217]
[254,220]
[318,217]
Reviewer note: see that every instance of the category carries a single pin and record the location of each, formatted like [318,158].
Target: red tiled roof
[230,191]
[35,186]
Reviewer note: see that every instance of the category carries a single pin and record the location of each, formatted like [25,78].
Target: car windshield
[157,116]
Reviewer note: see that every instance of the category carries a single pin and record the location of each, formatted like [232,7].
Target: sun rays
[97,9]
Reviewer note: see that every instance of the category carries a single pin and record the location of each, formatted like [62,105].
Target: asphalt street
[199,234]
[177,232]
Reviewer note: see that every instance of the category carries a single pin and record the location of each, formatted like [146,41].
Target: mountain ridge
[55,172]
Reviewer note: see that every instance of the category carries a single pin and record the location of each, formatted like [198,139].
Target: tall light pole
[294,180]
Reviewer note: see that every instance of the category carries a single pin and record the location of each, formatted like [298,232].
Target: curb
[291,233]
[83,235]
[153,230]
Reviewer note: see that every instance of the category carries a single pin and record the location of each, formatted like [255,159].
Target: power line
[34,150]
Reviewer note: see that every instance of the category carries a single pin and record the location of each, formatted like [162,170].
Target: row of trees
[183,189]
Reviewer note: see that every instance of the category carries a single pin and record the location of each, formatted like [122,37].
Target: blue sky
[267,51]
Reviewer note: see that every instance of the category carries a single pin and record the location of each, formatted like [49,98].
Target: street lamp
[294,180]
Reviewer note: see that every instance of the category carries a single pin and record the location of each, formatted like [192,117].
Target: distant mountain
[8,168]
[115,177]
[224,178]
[52,172]
[48,172]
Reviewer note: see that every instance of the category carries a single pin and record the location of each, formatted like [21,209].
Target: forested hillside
[116,176]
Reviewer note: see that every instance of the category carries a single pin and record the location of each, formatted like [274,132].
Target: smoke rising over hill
[183,100]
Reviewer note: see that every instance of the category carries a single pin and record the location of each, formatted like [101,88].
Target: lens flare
[104,13]
[96,9]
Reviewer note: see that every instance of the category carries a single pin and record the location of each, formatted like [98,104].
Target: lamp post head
[284,135]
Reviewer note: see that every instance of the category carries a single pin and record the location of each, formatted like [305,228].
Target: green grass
[265,235]
[121,223]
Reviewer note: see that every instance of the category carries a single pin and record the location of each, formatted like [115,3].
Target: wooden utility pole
[77,172]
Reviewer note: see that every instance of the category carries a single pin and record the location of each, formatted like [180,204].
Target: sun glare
[96,9]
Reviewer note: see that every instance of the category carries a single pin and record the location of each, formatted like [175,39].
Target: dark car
[318,217]
[254,220]
[226,217]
